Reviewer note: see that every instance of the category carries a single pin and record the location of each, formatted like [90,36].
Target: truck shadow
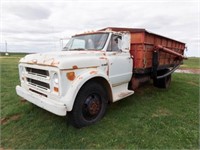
[141,98]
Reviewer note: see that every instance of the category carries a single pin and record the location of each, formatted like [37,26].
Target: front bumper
[50,105]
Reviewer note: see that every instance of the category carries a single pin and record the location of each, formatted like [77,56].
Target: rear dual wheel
[163,82]
[90,105]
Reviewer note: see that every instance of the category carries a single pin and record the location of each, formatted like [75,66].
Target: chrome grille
[39,84]
[37,72]
[38,80]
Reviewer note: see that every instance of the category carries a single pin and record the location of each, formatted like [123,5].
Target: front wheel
[90,105]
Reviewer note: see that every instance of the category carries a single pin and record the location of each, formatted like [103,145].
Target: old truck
[97,68]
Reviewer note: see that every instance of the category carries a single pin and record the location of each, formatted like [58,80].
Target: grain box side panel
[137,38]
[138,55]
[142,46]
[137,49]
[165,59]
[148,50]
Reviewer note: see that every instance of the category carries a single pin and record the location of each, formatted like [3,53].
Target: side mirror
[126,42]
[120,44]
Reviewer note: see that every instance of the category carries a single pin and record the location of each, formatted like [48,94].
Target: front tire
[90,105]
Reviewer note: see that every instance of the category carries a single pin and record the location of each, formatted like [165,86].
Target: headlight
[22,71]
[55,83]
[55,78]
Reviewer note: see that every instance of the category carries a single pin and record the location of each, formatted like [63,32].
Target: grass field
[191,62]
[150,119]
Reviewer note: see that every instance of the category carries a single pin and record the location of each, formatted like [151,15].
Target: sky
[39,26]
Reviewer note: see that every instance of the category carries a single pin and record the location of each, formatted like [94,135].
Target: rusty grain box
[143,43]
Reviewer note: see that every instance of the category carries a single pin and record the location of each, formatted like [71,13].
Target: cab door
[119,59]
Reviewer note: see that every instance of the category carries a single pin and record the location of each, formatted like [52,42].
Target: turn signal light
[71,76]
[56,89]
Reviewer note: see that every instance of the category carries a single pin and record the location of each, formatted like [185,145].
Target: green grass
[150,119]
[191,62]
[2,54]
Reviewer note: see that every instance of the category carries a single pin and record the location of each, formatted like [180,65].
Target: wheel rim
[92,107]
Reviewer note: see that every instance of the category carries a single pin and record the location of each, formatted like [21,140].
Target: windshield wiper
[78,49]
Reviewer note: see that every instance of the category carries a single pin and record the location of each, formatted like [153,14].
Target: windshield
[87,42]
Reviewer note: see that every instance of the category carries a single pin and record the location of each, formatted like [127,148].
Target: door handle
[129,58]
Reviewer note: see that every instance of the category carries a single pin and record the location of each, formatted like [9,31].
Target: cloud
[38,23]
[29,11]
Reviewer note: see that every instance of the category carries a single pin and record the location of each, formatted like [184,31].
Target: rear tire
[90,105]
[163,82]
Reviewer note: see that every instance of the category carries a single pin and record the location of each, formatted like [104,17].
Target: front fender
[76,85]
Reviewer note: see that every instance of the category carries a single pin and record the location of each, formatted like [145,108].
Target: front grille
[38,72]
[39,84]
[38,81]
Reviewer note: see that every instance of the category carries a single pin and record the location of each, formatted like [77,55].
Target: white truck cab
[93,69]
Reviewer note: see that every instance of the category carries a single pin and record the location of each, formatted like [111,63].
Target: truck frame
[96,68]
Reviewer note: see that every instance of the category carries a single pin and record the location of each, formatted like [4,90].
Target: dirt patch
[4,121]
[10,57]
[188,70]
[1,148]
[22,100]
[161,112]
[8,119]
[192,83]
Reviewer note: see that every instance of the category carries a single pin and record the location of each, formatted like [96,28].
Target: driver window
[78,43]
[114,43]
[90,44]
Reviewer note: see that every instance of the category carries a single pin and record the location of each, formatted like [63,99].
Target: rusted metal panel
[124,29]
[175,53]
[137,38]
[143,45]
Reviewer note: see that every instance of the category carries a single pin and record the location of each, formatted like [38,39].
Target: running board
[121,91]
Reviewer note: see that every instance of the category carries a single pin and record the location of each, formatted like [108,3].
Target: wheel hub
[92,106]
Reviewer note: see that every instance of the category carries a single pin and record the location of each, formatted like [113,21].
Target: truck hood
[66,59]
